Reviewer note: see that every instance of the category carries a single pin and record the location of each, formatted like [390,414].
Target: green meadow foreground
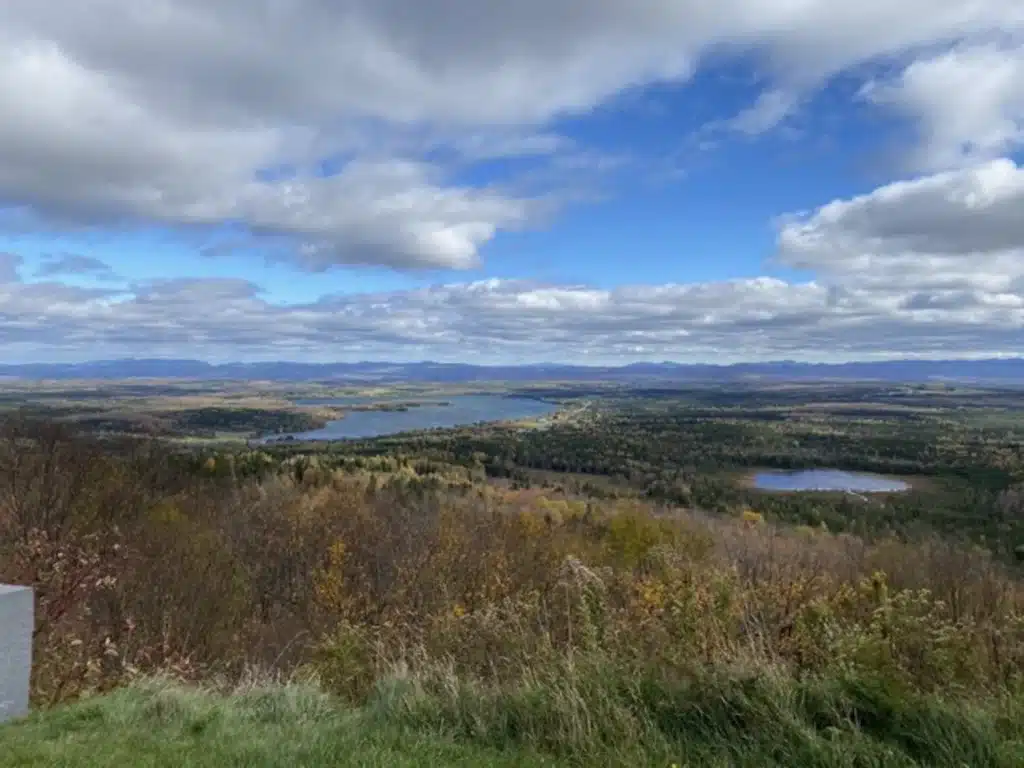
[574,718]
[607,590]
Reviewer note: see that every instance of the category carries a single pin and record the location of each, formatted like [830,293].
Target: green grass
[158,724]
[565,719]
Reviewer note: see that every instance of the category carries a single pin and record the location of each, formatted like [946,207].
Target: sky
[598,182]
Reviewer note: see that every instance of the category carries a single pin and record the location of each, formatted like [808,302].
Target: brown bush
[141,567]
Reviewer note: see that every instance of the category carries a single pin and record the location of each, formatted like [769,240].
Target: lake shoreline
[377,417]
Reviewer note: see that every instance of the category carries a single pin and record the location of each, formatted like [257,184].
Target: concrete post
[16,622]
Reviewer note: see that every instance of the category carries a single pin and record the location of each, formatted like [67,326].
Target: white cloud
[956,230]
[165,111]
[932,266]
[770,109]
[514,321]
[968,103]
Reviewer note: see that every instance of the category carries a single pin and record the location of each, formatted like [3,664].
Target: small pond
[827,480]
[433,413]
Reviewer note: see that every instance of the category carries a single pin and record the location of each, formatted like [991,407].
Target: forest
[693,449]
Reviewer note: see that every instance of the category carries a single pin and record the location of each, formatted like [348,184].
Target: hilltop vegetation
[603,591]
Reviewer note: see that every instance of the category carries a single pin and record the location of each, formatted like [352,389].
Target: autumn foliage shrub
[143,564]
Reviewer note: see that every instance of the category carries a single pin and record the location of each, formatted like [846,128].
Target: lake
[827,480]
[461,410]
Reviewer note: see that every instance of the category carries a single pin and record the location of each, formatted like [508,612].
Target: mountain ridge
[993,369]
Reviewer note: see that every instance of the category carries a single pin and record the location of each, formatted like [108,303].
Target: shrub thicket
[492,613]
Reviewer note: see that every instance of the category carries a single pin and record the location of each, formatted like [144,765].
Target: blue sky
[665,182]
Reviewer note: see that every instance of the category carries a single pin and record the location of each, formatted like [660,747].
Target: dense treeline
[259,421]
[964,476]
[207,422]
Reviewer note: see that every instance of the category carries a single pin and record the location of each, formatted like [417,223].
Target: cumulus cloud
[888,282]
[956,230]
[931,266]
[347,132]
[190,114]
[967,103]
[501,321]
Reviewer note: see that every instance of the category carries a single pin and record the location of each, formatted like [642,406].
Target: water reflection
[827,480]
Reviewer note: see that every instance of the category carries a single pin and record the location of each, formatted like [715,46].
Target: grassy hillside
[154,724]
[583,720]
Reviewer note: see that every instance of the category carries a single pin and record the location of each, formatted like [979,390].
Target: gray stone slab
[16,622]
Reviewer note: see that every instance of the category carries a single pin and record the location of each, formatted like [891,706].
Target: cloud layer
[190,114]
[931,267]
[347,132]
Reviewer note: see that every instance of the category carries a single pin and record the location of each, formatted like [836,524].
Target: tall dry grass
[140,567]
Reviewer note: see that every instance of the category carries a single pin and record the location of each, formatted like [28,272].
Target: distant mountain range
[996,370]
